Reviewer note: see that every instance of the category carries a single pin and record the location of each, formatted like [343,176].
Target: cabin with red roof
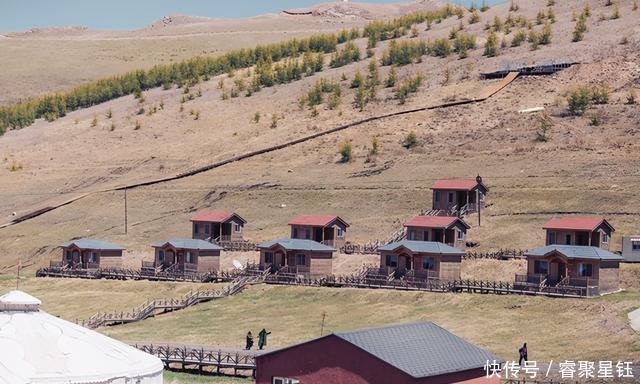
[449,230]
[326,229]
[579,230]
[456,194]
[217,226]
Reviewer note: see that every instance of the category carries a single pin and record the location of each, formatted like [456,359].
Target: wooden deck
[203,359]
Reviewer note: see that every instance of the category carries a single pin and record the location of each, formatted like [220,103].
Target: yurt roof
[40,348]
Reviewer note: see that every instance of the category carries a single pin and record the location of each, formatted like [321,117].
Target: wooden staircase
[158,306]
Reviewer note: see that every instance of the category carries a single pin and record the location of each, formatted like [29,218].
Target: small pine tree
[94,121]
[410,141]
[519,38]
[109,114]
[391,79]
[358,80]
[631,96]
[474,17]
[578,101]
[256,117]
[360,98]
[274,121]
[491,46]
[375,145]
[546,35]
[345,152]
[137,127]
[616,13]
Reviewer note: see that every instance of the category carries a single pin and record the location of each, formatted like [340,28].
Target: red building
[459,193]
[326,229]
[579,230]
[445,229]
[400,354]
[217,226]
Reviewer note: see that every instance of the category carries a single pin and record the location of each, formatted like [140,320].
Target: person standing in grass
[262,338]
[523,354]
[249,341]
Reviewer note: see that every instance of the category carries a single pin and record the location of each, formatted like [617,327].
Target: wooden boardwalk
[203,359]
[155,307]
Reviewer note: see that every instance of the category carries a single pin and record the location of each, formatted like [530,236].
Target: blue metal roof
[92,244]
[188,244]
[422,247]
[297,245]
[420,350]
[575,252]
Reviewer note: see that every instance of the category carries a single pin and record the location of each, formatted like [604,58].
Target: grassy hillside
[582,168]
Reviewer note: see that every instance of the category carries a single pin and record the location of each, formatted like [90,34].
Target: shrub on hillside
[491,46]
[410,141]
[345,152]
[578,100]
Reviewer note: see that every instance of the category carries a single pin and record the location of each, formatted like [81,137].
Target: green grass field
[555,329]
[185,378]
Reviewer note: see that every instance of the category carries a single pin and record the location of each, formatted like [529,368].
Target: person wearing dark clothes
[262,338]
[523,354]
[249,341]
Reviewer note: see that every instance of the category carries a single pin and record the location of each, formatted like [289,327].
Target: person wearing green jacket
[262,338]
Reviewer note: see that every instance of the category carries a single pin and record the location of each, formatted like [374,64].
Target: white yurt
[36,347]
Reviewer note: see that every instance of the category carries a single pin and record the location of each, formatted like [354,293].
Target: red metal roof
[316,220]
[455,184]
[212,216]
[575,223]
[433,221]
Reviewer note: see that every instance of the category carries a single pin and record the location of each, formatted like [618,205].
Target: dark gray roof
[575,252]
[422,247]
[297,245]
[189,244]
[92,244]
[420,350]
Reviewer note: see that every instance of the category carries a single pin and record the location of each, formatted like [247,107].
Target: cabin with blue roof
[89,254]
[421,259]
[186,256]
[297,256]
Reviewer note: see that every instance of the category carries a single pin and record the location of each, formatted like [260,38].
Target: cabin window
[189,257]
[237,228]
[284,380]
[295,233]
[552,238]
[605,238]
[340,233]
[207,228]
[541,267]
[412,235]
[635,245]
[268,257]
[460,235]
[391,261]
[307,234]
[68,255]
[425,236]
[161,256]
[93,257]
[195,228]
[450,197]
[437,196]
[301,259]
[585,270]
[428,263]
[568,240]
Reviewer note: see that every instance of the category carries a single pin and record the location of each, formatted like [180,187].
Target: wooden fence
[201,358]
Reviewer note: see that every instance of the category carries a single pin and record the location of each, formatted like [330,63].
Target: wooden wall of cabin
[609,276]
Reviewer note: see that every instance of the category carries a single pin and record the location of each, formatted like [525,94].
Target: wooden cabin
[578,269]
[424,259]
[449,230]
[186,255]
[326,229]
[631,248]
[90,254]
[216,226]
[578,230]
[416,353]
[297,256]
[457,194]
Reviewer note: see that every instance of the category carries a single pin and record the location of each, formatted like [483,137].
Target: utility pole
[125,211]
[324,315]
[479,181]
[18,276]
